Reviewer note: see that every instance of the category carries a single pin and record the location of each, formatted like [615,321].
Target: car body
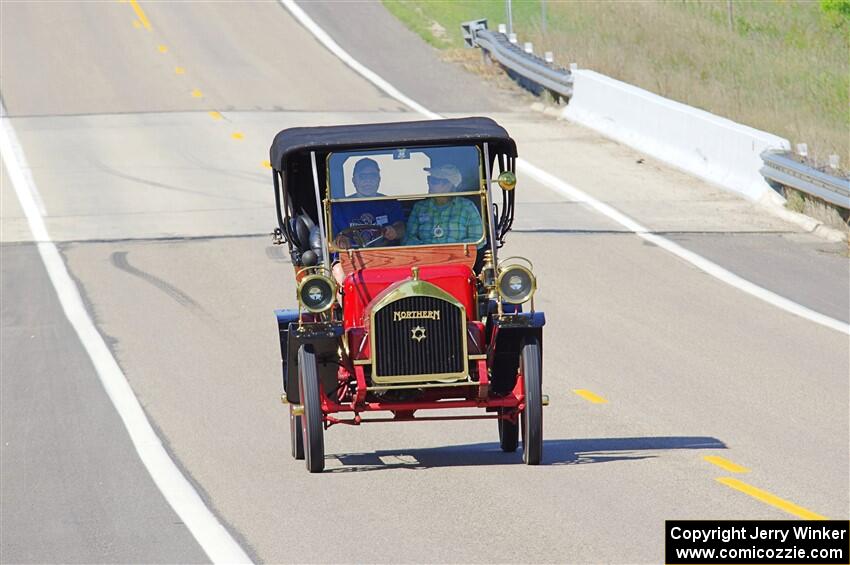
[394,324]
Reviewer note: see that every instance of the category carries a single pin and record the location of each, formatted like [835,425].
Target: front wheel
[532,416]
[296,440]
[508,433]
[311,420]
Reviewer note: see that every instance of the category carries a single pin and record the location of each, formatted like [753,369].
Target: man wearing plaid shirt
[445,219]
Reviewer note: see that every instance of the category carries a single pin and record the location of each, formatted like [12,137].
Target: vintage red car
[404,305]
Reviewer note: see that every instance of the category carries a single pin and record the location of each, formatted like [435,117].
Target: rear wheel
[296,440]
[311,421]
[508,434]
[532,416]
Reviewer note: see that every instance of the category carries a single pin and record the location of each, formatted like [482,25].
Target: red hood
[362,287]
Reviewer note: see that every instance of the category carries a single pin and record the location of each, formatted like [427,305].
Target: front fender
[325,338]
[507,333]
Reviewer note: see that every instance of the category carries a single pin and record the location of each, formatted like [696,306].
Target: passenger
[386,216]
[445,219]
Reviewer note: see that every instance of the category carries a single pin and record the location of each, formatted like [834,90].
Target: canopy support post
[277,202]
[490,219]
[320,212]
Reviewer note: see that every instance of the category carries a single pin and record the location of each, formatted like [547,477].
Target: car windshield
[401,171]
[405,196]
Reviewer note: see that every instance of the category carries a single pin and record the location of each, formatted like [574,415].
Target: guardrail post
[486,58]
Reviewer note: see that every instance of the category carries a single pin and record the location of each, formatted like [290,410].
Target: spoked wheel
[532,417]
[296,440]
[311,421]
[508,434]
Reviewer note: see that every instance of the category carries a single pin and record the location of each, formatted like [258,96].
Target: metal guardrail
[526,65]
[782,169]
[530,68]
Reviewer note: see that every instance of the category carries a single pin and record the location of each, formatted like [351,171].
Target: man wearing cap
[444,219]
[385,216]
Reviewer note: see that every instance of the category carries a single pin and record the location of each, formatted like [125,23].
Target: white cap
[448,172]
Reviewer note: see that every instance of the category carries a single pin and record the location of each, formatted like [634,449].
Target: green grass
[783,68]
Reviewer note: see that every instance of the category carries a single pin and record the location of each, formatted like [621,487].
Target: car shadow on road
[555,452]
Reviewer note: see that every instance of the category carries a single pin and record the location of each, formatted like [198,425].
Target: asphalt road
[72,488]
[161,209]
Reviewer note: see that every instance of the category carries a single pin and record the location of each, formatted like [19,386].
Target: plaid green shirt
[457,221]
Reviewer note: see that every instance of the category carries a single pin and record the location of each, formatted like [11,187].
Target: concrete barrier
[708,146]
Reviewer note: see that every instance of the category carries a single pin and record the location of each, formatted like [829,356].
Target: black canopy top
[292,141]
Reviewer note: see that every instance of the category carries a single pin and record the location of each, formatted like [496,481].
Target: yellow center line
[141,15]
[770,499]
[215,115]
[162,48]
[587,395]
[725,464]
[267,164]
[197,94]
[237,135]
[179,71]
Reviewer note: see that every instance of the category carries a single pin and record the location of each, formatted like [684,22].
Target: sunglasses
[437,180]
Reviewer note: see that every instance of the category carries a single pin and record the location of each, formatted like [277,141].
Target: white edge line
[694,259]
[26,171]
[343,55]
[210,534]
[574,193]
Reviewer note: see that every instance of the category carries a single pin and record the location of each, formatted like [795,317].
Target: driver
[360,223]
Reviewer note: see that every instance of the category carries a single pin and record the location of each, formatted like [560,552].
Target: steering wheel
[359,238]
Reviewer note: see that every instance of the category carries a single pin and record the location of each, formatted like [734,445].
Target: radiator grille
[397,351]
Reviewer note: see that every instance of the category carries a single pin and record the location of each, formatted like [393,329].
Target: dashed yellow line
[267,164]
[215,115]
[725,464]
[162,48]
[589,396]
[770,499]
[143,19]
[179,71]
[197,94]
[237,135]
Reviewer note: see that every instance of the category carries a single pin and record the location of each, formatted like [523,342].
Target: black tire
[311,421]
[296,440]
[531,365]
[508,435]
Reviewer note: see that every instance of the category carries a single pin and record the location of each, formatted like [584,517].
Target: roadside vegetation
[778,66]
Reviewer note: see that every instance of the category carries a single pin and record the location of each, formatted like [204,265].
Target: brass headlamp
[316,292]
[515,283]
